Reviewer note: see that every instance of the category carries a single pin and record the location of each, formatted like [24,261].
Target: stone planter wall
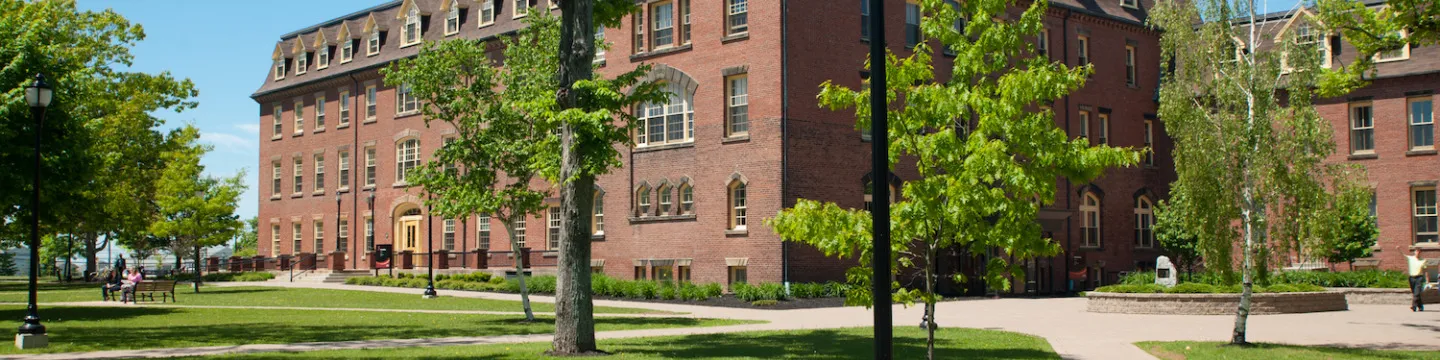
[1370,296]
[1214,304]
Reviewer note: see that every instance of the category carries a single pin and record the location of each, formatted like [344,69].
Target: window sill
[400,184]
[690,144]
[599,63]
[736,139]
[318,193]
[1428,246]
[297,195]
[275,197]
[318,130]
[370,187]
[1420,152]
[1363,156]
[342,126]
[276,137]
[1092,248]
[342,190]
[1133,86]
[661,218]
[402,115]
[735,37]
[655,53]
[368,121]
[597,237]
[302,133]
[737,233]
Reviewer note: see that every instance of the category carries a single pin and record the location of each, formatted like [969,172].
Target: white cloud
[228,142]
[253,129]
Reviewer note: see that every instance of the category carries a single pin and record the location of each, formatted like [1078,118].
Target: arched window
[412,27]
[687,199]
[407,157]
[452,18]
[642,200]
[1144,223]
[1090,217]
[737,205]
[667,123]
[666,199]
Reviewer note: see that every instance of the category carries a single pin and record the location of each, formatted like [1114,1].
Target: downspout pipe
[1065,54]
[784,120]
[355,152]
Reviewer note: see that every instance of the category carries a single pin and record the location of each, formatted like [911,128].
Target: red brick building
[741,138]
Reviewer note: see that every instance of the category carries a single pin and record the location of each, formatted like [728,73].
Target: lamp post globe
[32,334]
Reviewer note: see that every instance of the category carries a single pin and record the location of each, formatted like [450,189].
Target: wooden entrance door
[409,238]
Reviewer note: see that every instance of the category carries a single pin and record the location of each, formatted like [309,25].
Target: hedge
[607,286]
[224,277]
[1198,288]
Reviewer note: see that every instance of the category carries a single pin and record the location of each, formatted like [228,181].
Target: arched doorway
[407,229]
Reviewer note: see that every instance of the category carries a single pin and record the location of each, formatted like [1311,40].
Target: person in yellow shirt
[1417,278]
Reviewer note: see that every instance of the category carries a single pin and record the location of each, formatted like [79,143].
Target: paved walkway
[1074,333]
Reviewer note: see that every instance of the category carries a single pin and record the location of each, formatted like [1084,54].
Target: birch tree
[1250,148]
[987,152]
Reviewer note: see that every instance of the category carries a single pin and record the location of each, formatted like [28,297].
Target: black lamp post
[32,333]
[880,168]
[430,254]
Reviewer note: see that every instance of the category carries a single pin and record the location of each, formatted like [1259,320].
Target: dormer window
[373,44]
[452,18]
[522,8]
[300,63]
[323,59]
[280,69]
[347,50]
[487,12]
[1394,54]
[412,27]
[1308,38]
[1133,4]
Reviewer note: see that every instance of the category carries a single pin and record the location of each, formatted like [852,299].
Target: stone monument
[1164,272]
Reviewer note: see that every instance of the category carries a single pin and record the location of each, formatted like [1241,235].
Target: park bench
[148,289]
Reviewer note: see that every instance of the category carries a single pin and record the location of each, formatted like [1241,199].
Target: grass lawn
[295,297]
[850,343]
[104,328]
[1178,350]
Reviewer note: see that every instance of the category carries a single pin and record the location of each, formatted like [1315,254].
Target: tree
[195,210]
[1351,231]
[1177,241]
[1250,148]
[589,147]
[987,153]
[247,244]
[96,128]
[1372,30]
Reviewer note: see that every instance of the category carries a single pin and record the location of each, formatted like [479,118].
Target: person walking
[1417,279]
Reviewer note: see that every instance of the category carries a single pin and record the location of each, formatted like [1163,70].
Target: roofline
[1082,10]
[256,96]
[342,18]
[1285,14]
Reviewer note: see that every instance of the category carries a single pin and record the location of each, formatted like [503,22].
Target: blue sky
[225,46]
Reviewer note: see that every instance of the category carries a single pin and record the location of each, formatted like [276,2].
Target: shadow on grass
[47,286]
[1335,351]
[49,315]
[819,344]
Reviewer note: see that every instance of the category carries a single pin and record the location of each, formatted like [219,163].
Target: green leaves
[988,154]
[195,209]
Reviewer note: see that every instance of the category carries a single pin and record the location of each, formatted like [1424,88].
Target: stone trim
[683,262]
[407,133]
[735,70]
[1370,296]
[597,262]
[737,261]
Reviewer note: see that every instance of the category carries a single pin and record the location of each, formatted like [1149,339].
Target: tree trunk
[198,277]
[574,309]
[519,268]
[929,322]
[91,250]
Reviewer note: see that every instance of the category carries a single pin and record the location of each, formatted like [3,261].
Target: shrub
[1192,288]
[712,290]
[667,291]
[807,290]
[764,303]
[1288,288]
[1132,289]
[1138,278]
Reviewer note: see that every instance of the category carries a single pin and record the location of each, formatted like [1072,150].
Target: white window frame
[1415,120]
[737,105]
[1083,52]
[1144,223]
[410,31]
[1133,4]
[274,240]
[737,17]
[296,236]
[1091,235]
[280,68]
[1132,78]
[667,199]
[1150,143]
[299,117]
[1421,211]
[347,50]
[319,173]
[372,96]
[452,18]
[520,9]
[1103,136]
[553,228]
[597,211]
[447,239]
[299,175]
[1357,128]
[276,115]
[302,62]
[913,16]
[599,44]
[342,234]
[369,234]
[662,24]
[370,170]
[1085,124]
[1042,43]
[1401,54]
[738,199]
[319,236]
[487,13]
[637,22]
[684,8]
[687,199]
[320,112]
[482,233]
[407,158]
[520,231]
[275,186]
[344,102]
[654,116]
[372,45]
[642,201]
[344,170]
[322,57]
[405,104]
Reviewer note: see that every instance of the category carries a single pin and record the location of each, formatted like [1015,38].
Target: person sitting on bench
[127,290]
[111,284]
